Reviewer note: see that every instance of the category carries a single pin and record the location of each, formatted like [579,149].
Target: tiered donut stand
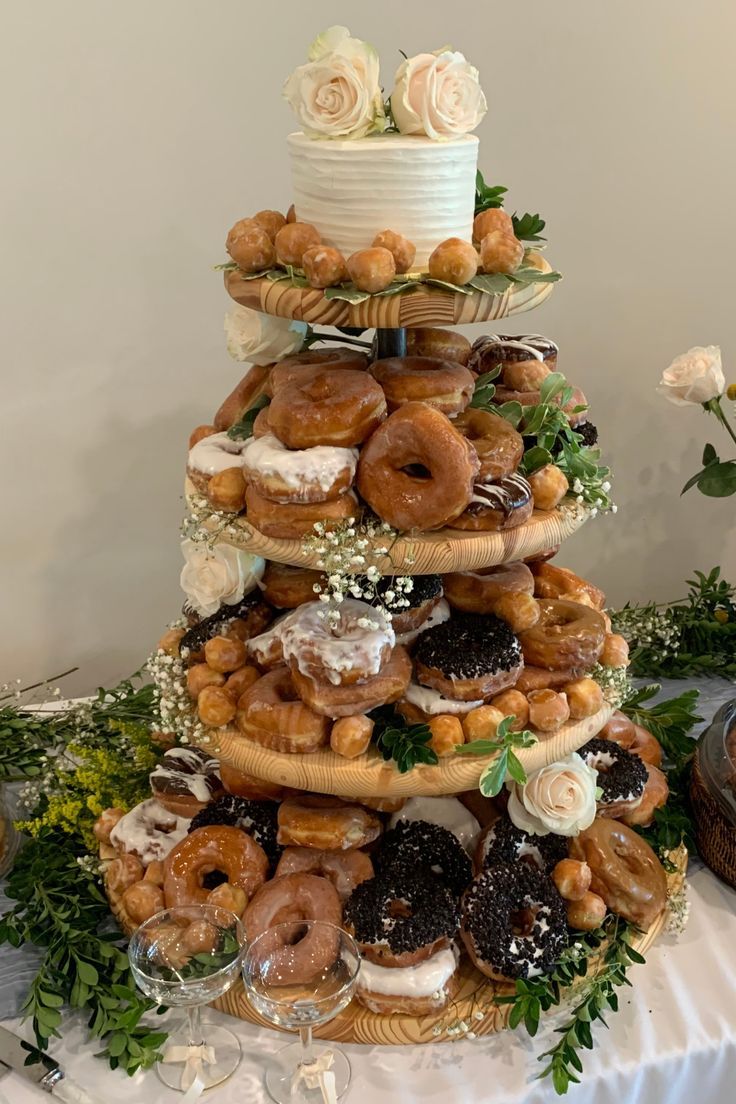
[441,551]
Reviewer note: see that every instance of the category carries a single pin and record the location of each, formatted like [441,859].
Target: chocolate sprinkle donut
[502,842]
[622,775]
[416,846]
[372,919]
[469,646]
[196,637]
[257,818]
[513,920]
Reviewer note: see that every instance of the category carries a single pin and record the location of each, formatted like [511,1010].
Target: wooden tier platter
[476,994]
[371,776]
[424,553]
[424,306]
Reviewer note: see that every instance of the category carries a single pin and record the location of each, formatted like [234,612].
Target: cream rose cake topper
[337,93]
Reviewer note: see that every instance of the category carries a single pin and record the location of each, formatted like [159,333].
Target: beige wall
[136,133]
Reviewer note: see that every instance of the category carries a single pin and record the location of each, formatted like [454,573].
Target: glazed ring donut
[551,581]
[148,831]
[295,898]
[272,713]
[317,474]
[468,657]
[539,678]
[621,776]
[433,342]
[212,455]
[479,591]
[304,366]
[287,587]
[400,919]
[344,701]
[567,635]
[345,869]
[354,645]
[646,746]
[257,818]
[498,445]
[223,848]
[325,824]
[330,408]
[502,842]
[417,471]
[416,846]
[290,521]
[490,924]
[626,872]
[443,384]
[504,504]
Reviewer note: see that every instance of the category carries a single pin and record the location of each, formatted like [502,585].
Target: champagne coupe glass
[299,975]
[185,957]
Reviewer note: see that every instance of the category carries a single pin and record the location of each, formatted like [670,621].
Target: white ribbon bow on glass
[317,1075]
[195,1058]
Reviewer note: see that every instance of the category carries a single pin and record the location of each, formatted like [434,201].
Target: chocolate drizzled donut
[185,779]
[513,922]
[492,349]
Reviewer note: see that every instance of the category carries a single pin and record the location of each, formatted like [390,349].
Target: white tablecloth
[673,1040]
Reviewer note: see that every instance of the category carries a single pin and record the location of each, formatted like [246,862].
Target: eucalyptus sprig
[505,762]
[407,744]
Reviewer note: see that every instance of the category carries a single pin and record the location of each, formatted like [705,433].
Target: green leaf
[117,1043]
[536,457]
[512,411]
[552,385]
[493,776]
[718,480]
[243,429]
[347,292]
[490,283]
[710,456]
[444,285]
[515,769]
[560,1080]
[87,973]
[530,275]
[528,227]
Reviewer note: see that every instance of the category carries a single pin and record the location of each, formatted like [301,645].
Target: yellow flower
[721,616]
[731,392]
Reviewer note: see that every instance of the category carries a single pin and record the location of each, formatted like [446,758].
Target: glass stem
[194,1026]
[305,1038]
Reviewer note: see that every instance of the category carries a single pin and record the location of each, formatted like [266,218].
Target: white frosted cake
[352,189]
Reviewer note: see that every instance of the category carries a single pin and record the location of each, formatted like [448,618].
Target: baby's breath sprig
[614,682]
[203,524]
[175,706]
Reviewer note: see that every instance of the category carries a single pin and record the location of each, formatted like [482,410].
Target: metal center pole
[390,343]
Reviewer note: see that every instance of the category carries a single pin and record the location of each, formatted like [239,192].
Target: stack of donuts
[342,431]
[461,652]
[417,883]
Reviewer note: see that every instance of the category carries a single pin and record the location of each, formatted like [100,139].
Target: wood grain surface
[476,994]
[371,776]
[424,553]
[426,306]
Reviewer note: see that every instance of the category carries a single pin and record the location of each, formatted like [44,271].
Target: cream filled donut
[149,831]
[342,646]
[439,614]
[212,455]
[432,703]
[448,812]
[280,474]
[418,990]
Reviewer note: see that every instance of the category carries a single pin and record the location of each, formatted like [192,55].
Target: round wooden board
[476,994]
[425,306]
[371,776]
[441,551]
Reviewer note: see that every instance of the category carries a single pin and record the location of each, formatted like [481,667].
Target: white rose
[261,338]
[559,798]
[217,576]
[694,377]
[337,93]
[437,95]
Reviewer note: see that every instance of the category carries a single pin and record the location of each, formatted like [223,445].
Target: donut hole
[399,909]
[213,878]
[417,471]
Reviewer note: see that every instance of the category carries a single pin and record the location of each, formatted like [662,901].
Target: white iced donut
[445,811]
[433,703]
[149,831]
[279,474]
[342,645]
[213,455]
[266,648]
[411,990]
